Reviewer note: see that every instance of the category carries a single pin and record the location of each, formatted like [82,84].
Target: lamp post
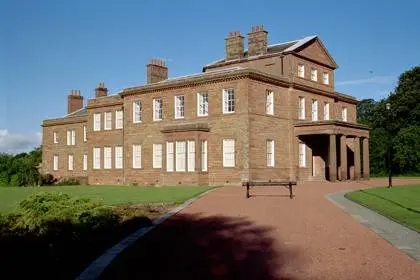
[388,108]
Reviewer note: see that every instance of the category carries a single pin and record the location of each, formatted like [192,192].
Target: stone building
[265,112]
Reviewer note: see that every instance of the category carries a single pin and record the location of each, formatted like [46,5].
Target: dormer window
[301,71]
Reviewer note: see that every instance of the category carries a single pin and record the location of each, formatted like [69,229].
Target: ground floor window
[204,155]
[119,157]
[157,155]
[228,153]
[270,153]
[96,158]
[136,156]
[302,155]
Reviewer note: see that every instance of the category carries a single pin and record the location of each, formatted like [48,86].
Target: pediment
[316,51]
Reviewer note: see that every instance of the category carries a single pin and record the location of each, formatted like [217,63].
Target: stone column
[357,158]
[332,158]
[343,157]
[366,171]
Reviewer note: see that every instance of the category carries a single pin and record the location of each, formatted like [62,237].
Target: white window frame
[301,70]
[70,164]
[136,153]
[119,157]
[179,106]
[314,115]
[270,153]
[85,162]
[344,114]
[314,75]
[73,137]
[119,119]
[157,155]
[55,162]
[157,109]
[302,155]
[107,157]
[229,101]
[84,133]
[228,153]
[325,78]
[107,120]
[55,138]
[191,156]
[96,158]
[68,137]
[269,102]
[137,111]
[204,156]
[301,109]
[202,104]
[170,156]
[97,122]
[180,156]
[326,111]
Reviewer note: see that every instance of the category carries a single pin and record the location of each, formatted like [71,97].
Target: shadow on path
[204,247]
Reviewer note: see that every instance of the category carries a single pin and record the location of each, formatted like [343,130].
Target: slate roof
[77,113]
[284,47]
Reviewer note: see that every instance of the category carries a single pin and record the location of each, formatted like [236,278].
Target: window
[344,114]
[169,156]
[84,133]
[85,162]
[179,107]
[157,155]
[314,75]
[136,156]
[107,158]
[301,71]
[55,163]
[70,164]
[71,137]
[269,102]
[202,104]
[270,153]
[136,111]
[108,121]
[314,110]
[228,101]
[301,108]
[97,122]
[119,119]
[55,138]
[204,155]
[326,111]
[191,156]
[118,157]
[180,156]
[325,78]
[96,158]
[228,153]
[157,109]
[302,155]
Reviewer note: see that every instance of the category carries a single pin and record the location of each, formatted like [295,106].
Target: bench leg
[247,190]
[290,191]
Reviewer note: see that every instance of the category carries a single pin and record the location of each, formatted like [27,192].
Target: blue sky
[50,47]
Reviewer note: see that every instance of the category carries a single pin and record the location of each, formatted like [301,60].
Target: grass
[399,203]
[109,195]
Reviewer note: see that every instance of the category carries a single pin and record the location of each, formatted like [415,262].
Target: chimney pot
[156,71]
[74,101]
[101,90]
[257,41]
[234,45]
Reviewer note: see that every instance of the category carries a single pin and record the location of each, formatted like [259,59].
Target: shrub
[46,180]
[68,182]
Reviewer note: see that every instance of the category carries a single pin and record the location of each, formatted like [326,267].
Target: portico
[342,148]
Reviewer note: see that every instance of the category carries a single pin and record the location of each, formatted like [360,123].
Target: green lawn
[400,203]
[109,195]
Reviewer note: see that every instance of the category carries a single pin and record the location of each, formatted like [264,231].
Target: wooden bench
[288,184]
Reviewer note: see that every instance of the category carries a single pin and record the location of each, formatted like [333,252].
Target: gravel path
[269,236]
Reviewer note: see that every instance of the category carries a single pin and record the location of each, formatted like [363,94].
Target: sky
[48,48]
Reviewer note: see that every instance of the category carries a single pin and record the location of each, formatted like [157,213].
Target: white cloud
[14,143]
[371,80]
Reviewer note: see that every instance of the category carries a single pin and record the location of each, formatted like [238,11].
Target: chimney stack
[156,71]
[101,90]
[74,101]
[257,41]
[234,45]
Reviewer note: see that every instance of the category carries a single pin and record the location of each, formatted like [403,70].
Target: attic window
[301,71]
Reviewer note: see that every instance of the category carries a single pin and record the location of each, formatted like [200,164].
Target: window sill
[227,113]
[200,116]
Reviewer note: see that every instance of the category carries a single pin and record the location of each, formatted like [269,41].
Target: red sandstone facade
[268,112]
